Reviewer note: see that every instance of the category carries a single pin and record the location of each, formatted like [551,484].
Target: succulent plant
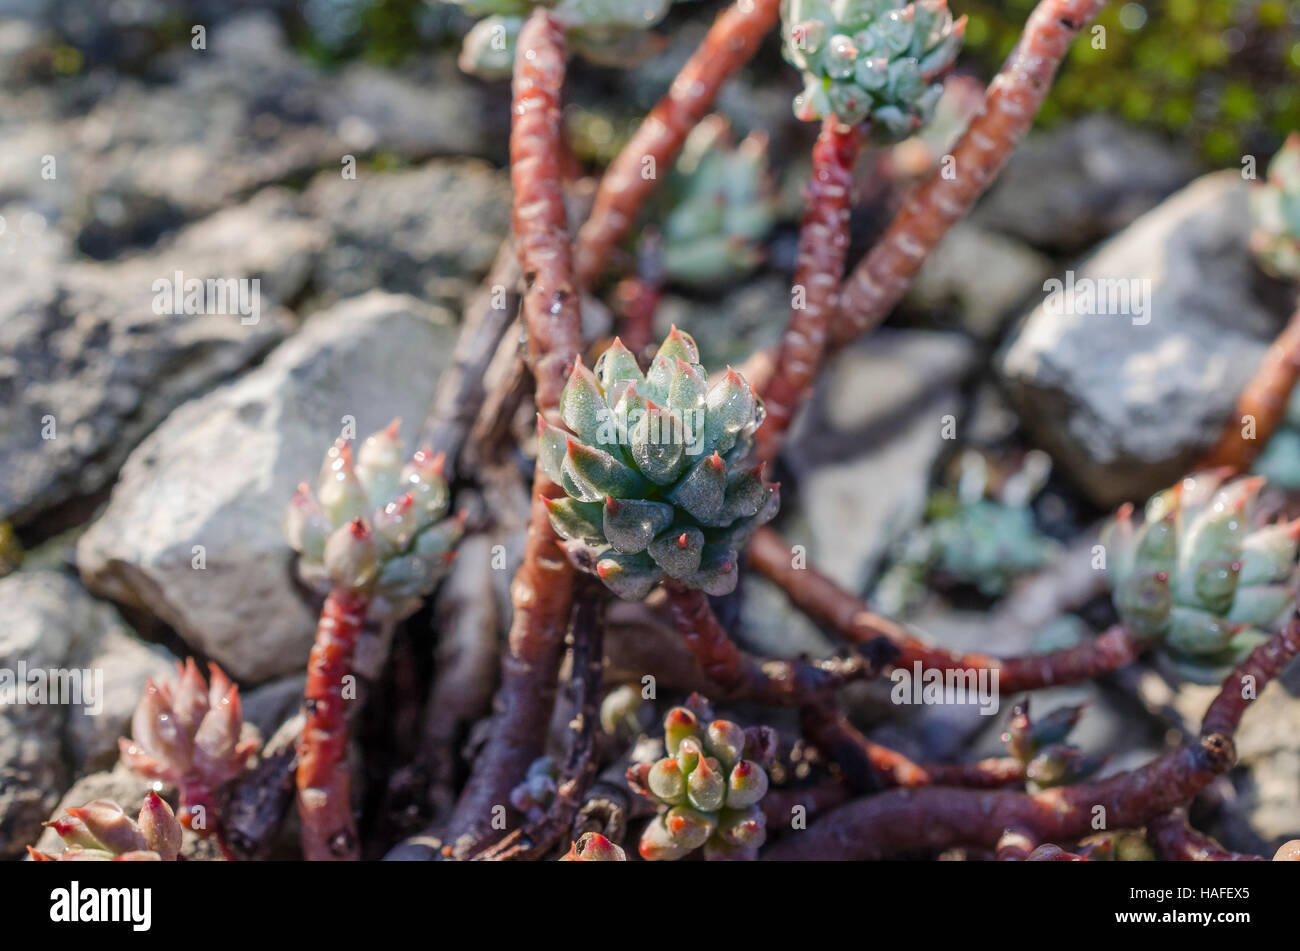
[708,787]
[1279,463]
[652,467]
[101,831]
[11,550]
[980,532]
[375,525]
[1275,207]
[607,32]
[1200,575]
[594,847]
[725,207]
[190,734]
[870,59]
[1040,745]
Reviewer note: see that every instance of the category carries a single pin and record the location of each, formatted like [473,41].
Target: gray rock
[88,367]
[1066,188]
[53,624]
[431,231]
[888,396]
[220,470]
[135,160]
[1126,403]
[976,277]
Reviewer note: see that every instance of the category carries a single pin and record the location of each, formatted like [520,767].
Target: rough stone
[1066,188]
[211,483]
[1126,402]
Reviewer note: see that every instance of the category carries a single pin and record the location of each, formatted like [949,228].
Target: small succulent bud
[162,833]
[101,831]
[594,847]
[710,790]
[350,556]
[305,525]
[1198,576]
[666,782]
[678,725]
[727,742]
[622,708]
[706,789]
[192,736]
[746,785]
[107,824]
[342,496]
[379,526]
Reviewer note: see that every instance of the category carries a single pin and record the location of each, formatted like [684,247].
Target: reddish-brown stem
[638,298]
[741,676]
[646,159]
[581,762]
[1177,841]
[867,765]
[827,603]
[933,818]
[1010,104]
[542,593]
[329,831]
[779,804]
[819,268]
[1263,399]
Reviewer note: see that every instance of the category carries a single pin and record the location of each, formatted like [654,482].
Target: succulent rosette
[708,786]
[190,734]
[653,468]
[1275,207]
[101,831]
[1198,573]
[870,59]
[607,32]
[375,524]
[726,207]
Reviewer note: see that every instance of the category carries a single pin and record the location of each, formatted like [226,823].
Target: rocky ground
[151,508]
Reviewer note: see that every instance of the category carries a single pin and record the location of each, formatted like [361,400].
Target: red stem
[868,765]
[1177,841]
[329,831]
[819,267]
[645,161]
[1010,104]
[933,818]
[542,592]
[827,603]
[742,676]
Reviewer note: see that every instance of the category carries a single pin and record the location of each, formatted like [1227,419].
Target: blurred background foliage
[1221,75]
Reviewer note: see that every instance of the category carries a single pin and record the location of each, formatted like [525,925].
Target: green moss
[1219,74]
